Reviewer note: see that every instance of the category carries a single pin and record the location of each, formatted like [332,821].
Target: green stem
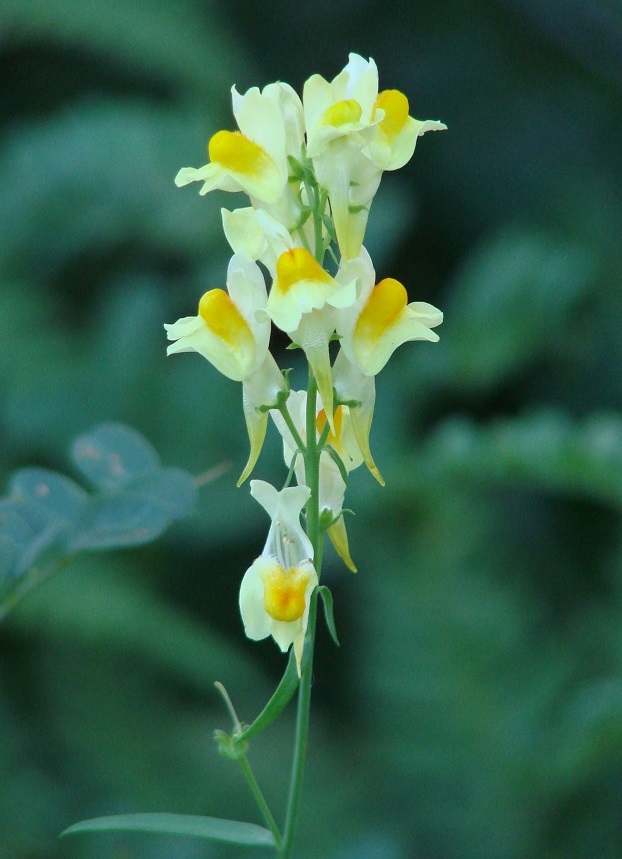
[312,466]
[318,211]
[311,452]
[246,769]
[291,427]
[312,476]
[317,203]
[260,800]
[301,741]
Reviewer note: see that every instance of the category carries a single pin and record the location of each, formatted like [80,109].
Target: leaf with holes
[111,455]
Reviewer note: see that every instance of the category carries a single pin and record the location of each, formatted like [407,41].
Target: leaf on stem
[183,825]
[277,703]
[327,599]
[339,463]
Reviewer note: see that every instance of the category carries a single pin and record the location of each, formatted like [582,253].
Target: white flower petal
[257,622]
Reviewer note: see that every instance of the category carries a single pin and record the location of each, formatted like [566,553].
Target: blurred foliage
[474,709]
[48,519]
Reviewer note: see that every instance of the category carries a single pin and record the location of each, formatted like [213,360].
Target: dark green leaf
[513,297]
[183,825]
[99,607]
[339,463]
[278,702]
[327,599]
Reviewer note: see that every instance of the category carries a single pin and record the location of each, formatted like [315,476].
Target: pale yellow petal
[339,538]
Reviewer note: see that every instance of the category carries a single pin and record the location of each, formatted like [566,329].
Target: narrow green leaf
[183,825]
[327,599]
[278,702]
[339,463]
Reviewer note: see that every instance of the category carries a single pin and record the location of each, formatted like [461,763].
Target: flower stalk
[311,453]
[311,169]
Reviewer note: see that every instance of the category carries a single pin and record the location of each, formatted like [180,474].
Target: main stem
[312,475]
[311,453]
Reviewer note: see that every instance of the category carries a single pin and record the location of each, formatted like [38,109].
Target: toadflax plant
[310,168]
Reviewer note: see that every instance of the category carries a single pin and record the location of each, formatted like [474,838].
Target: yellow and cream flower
[379,321]
[342,107]
[381,318]
[394,137]
[354,133]
[276,589]
[254,158]
[302,302]
[234,336]
[303,296]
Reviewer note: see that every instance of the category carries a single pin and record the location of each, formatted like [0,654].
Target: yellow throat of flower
[342,113]
[284,592]
[237,153]
[224,319]
[395,106]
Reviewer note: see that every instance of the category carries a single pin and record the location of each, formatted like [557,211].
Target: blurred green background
[474,709]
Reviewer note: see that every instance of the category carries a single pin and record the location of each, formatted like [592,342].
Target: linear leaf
[511,304]
[277,703]
[184,825]
[327,599]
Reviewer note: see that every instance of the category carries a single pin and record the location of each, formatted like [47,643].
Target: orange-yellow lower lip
[385,303]
[235,152]
[223,318]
